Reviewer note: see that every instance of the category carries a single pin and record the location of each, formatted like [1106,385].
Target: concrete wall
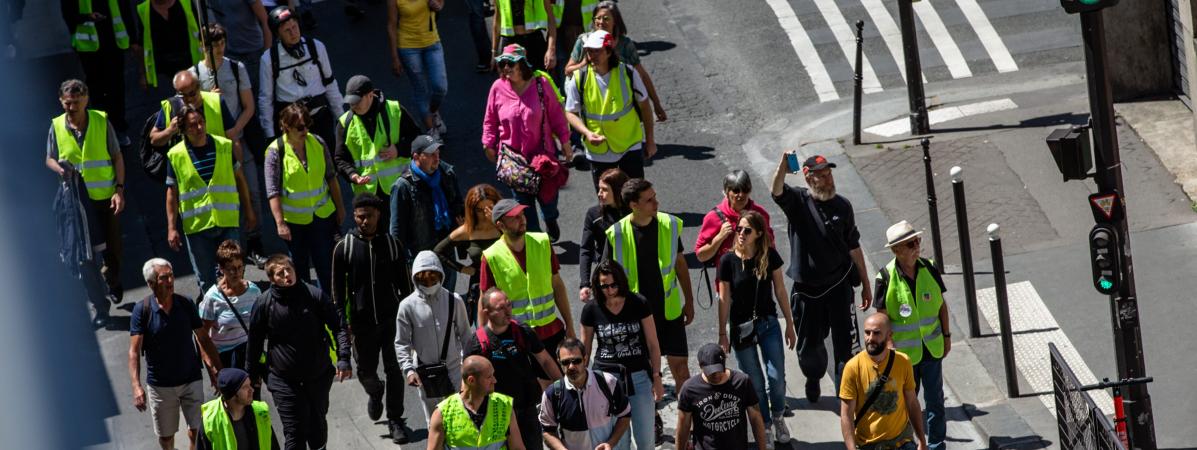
[1139,47]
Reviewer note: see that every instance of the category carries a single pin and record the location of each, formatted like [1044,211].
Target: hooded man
[427,319]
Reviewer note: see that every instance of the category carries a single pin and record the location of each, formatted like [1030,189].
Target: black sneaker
[100,320]
[812,390]
[658,430]
[374,407]
[553,229]
[398,432]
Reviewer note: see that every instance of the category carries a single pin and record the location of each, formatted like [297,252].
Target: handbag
[746,331]
[434,378]
[512,168]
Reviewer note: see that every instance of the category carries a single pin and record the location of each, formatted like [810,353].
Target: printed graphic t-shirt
[718,412]
[619,338]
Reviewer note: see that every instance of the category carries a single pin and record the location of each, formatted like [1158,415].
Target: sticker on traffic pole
[1105,207]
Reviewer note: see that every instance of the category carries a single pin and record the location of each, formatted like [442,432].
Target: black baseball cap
[711,359]
[817,162]
[357,87]
[506,208]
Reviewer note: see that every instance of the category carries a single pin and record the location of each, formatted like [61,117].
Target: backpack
[558,396]
[580,79]
[311,49]
[484,338]
[153,158]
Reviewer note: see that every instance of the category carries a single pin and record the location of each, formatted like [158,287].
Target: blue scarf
[440,204]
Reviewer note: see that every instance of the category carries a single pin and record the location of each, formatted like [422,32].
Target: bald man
[168,127]
[878,405]
[477,402]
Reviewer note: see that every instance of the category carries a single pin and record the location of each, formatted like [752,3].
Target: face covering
[428,291]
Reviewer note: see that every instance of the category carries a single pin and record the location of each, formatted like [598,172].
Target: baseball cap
[506,208]
[598,39]
[356,88]
[711,359]
[424,144]
[817,162]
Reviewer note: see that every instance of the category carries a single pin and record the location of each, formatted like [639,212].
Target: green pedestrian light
[1105,284]
[1104,258]
[1080,6]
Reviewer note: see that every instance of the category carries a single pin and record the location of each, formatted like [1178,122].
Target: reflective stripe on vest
[147,43]
[920,326]
[587,12]
[530,291]
[219,429]
[206,205]
[624,245]
[607,114]
[535,17]
[364,147]
[304,191]
[460,432]
[93,160]
[213,117]
[87,37]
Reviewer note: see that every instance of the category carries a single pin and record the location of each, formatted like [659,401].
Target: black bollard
[966,252]
[1003,304]
[857,90]
[932,205]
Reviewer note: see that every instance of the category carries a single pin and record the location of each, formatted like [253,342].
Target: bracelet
[947,335]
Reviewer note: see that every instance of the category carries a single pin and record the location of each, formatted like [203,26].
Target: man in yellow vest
[910,292]
[521,22]
[85,139]
[170,39]
[648,244]
[99,36]
[454,425]
[206,189]
[373,142]
[168,126]
[234,421]
[524,266]
[607,103]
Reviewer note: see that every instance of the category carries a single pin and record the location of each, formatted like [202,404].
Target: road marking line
[942,39]
[890,33]
[940,115]
[845,36]
[989,37]
[1035,328]
[807,55]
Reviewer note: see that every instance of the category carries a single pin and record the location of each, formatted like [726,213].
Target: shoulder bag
[434,378]
[512,168]
[876,392]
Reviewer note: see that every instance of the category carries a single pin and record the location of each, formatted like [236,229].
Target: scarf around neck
[440,204]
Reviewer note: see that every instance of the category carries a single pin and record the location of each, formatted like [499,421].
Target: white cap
[598,39]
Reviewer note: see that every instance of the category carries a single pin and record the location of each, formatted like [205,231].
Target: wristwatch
[120,185]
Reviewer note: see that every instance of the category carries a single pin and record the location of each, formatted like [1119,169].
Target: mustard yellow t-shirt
[887,418]
[417,24]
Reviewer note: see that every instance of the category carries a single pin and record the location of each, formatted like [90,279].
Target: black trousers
[105,73]
[632,165]
[535,45]
[530,429]
[302,405]
[110,224]
[368,343]
[816,317]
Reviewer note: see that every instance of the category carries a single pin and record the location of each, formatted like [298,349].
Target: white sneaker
[439,124]
[782,432]
[768,437]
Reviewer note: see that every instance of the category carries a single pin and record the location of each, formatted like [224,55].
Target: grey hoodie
[420,325]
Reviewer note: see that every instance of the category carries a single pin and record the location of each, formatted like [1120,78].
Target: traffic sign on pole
[1105,207]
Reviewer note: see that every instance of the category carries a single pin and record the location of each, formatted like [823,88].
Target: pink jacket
[711,224]
[515,120]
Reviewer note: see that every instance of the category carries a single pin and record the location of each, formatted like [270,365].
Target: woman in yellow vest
[521,22]
[304,195]
[606,17]
[913,300]
[235,408]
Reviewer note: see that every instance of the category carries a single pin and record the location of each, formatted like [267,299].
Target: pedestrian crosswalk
[957,39]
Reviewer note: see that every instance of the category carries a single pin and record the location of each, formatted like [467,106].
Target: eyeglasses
[739,191]
[571,362]
[189,94]
[603,18]
[606,286]
[744,230]
[913,243]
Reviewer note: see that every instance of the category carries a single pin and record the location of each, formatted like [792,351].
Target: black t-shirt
[245,430]
[718,412]
[817,260]
[619,338]
[648,269]
[746,289]
[515,365]
[479,417]
[172,46]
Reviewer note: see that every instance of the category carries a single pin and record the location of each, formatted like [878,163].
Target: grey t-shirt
[241,25]
[52,140]
[229,85]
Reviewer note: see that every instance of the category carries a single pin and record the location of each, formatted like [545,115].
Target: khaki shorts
[166,402]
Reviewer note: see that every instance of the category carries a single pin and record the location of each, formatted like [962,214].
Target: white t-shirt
[573,104]
[228,332]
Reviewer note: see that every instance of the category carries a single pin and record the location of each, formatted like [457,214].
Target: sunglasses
[745,230]
[913,243]
[571,362]
[739,191]
[608,286]
[505,63]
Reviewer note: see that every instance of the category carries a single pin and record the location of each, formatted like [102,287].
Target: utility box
[1072,152]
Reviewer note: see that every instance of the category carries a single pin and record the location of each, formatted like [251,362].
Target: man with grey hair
[720,222]
[162,326]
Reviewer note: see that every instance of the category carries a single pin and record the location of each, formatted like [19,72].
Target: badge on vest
[926,296]
[905,310]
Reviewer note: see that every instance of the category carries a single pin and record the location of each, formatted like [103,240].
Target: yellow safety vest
[87,37]
[530,291]
[147,43]
[669,229]
[219,430]
[93,160]
[611,114]
[915,321]
[305,191]
[212,113]
[587,11]
[535,17]
[549,80]
[206,205]
[460,432]
[365,148]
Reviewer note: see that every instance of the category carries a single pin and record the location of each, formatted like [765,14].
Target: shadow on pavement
[649,47]
[691,152]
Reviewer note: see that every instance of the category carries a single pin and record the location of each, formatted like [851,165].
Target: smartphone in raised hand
[792,162]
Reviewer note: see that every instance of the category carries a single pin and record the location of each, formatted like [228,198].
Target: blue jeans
[202,248]
[478,31]
[311,245]
[768,333]
[425,68]
[644,410]
[549,208]
[928,376]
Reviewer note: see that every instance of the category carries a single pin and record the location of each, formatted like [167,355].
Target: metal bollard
[932,205]
[1003,304]
[966,252]
[857,90]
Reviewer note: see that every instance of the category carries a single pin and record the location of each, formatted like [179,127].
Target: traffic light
[1070,148]
[1080,6]
[1105,259]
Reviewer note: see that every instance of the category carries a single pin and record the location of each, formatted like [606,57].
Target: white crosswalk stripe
[890,33]
[846,37]
[807,55]
[989,37]
[942,39]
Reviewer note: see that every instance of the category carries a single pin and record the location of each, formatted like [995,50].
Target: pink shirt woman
[515,117]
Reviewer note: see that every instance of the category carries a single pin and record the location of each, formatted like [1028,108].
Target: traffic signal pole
[919,123]
[1128,341]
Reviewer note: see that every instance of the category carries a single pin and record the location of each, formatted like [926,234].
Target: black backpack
[558,395]
[153,158]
